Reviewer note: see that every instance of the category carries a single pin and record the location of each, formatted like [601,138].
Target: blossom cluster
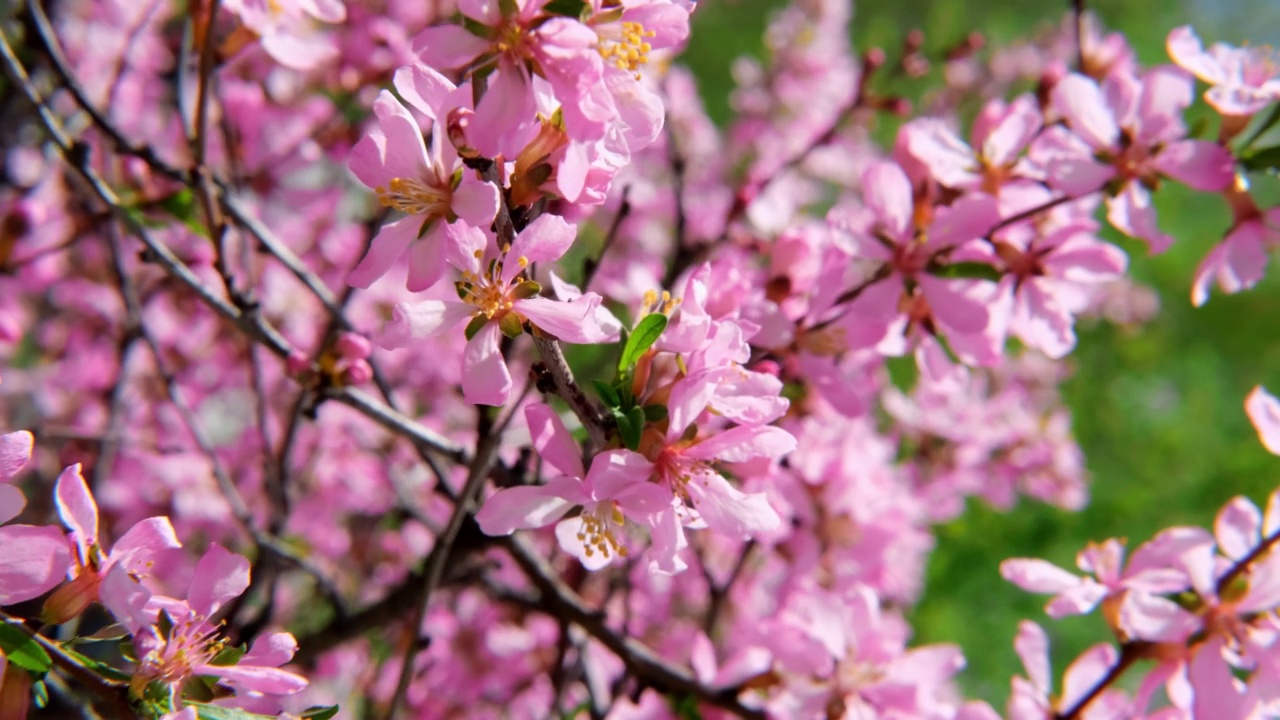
[485,376]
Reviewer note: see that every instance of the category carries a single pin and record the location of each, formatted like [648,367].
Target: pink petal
[689,397]
[1080,101]
[887,191]
[1237,527]
[15,453]
[387,247]
[1155,619]
[1014,132]
[1264,587]
[448,46]
[219,576]
[414,322]
[1085,672]
[1186,50]
[77,509]
[12,503]
[616,474]
[1132,213]
[271,650]
[32,561]
[425,89]
[142,541]
[1264,412]
[427,260]
[953,310]
[1201,165]
[126,599]
[1217,692]
[567,321]
[266,680]
[729,511]
[475,201]
[552,441]
[485,380]
[1078,600]
[666,537]
[1083,258]
[1166,93]
[740,444]
[1037,576]
[1032,646]
[972,216]
[950,161]
[544,240]
[516,508]
[1237,263]
[464,246]
[395,149]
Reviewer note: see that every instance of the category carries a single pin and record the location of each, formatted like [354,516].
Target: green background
[1158,409]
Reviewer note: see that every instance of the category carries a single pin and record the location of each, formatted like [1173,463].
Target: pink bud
[297,363]
[352,346]
[358,373]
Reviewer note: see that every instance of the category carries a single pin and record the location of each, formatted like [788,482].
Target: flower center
[601,528]
[487,292]
[414,197]
[626,48]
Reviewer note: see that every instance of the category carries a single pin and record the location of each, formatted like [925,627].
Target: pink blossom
[432,189]
[1241,81]
[499,298]
[286,28]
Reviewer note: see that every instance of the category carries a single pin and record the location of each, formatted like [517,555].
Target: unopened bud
[352,346]
[456,123]
[873,59]
[15,692]
[297,363]
[71,598]
[358,373]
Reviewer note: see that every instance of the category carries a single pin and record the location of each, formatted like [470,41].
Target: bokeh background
[1158,409]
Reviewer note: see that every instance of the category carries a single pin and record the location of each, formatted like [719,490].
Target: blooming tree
[422,359]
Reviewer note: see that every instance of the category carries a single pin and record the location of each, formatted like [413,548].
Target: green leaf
[23,651]
[631,426]
[576,711]
[182,206]
[607,394]
[647,332]
[320,712]
[1260,125]
[975,270]
[97,666]
[1266,159]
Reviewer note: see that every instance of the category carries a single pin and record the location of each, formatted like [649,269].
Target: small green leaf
[647,332]
[477,28]
[319,712]
[508,8]
[607,394]
[23,651]
[1259,127]
[1266,159]
[975,270]
[97,666]
[182,206]
[632,428]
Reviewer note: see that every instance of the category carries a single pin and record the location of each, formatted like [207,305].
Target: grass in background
[1158,410]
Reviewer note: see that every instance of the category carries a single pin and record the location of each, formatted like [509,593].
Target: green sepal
[511,325]
[319,712]
[477,28]
[575,9]
[1265,160]
[645,334]
[23,651]
[630,426]
[477,323]
[527,289]
[655,413]
[229,655]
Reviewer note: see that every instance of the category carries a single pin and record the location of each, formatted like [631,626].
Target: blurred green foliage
[1158,409]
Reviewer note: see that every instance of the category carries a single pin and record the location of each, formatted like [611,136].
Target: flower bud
[352,346]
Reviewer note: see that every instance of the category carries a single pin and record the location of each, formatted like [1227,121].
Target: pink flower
[432,189]
[135,550]
[1001,137]
[1127,135]
[186,644]
[1242,80]
[1032,698]
[905,247]
[614,491]
[286,28]
[499,298]
[1240,260]
[15,452]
